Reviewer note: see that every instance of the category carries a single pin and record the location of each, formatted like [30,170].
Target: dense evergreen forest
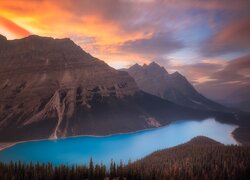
[201,158]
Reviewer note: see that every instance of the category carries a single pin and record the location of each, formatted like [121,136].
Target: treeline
[189,161]
[22,171]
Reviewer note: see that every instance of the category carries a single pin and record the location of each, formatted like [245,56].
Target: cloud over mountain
[157,44]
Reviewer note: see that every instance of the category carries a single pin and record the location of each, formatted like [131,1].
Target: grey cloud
[158,44]
[228,79]
[234,37]
[232,71]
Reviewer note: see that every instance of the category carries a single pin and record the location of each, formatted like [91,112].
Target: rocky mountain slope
[155,80]
[51,88]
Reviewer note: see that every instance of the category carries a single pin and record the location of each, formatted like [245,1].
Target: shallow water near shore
[78,150]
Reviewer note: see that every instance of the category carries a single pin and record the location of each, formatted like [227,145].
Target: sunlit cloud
[11,29]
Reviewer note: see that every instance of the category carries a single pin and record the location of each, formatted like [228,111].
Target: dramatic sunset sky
[207,41]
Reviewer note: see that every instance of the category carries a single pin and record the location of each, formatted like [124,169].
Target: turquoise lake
[78,150]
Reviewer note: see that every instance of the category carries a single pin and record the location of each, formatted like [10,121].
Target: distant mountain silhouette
[51,88]
[155,80]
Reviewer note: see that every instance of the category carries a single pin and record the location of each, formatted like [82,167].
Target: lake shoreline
[6,145]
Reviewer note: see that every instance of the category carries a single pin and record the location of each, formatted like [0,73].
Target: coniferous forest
[198,159]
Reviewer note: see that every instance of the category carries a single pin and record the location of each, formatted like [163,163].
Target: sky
[208,41]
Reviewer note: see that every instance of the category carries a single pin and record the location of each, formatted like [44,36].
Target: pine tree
[91,169]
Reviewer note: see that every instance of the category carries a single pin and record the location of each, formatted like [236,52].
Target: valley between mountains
[51,88]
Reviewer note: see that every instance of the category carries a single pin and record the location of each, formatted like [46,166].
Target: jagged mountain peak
[177,74]
[151,66]
[174,87]
[136,67]
[154,64]
[154,67]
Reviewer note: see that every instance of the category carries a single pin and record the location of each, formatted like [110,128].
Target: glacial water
[78,150]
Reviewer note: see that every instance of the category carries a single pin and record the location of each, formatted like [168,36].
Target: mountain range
[51,88]
[174,87]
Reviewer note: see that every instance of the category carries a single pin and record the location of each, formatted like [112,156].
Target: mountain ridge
[173,87]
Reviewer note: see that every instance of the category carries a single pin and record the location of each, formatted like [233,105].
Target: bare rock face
[155,80]
[45,80]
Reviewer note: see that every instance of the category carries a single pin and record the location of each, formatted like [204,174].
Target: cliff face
[51,88]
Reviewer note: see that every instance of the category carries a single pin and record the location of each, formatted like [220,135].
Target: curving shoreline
[6,145]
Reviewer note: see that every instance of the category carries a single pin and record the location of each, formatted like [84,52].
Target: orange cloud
[77,20]
[11,29]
